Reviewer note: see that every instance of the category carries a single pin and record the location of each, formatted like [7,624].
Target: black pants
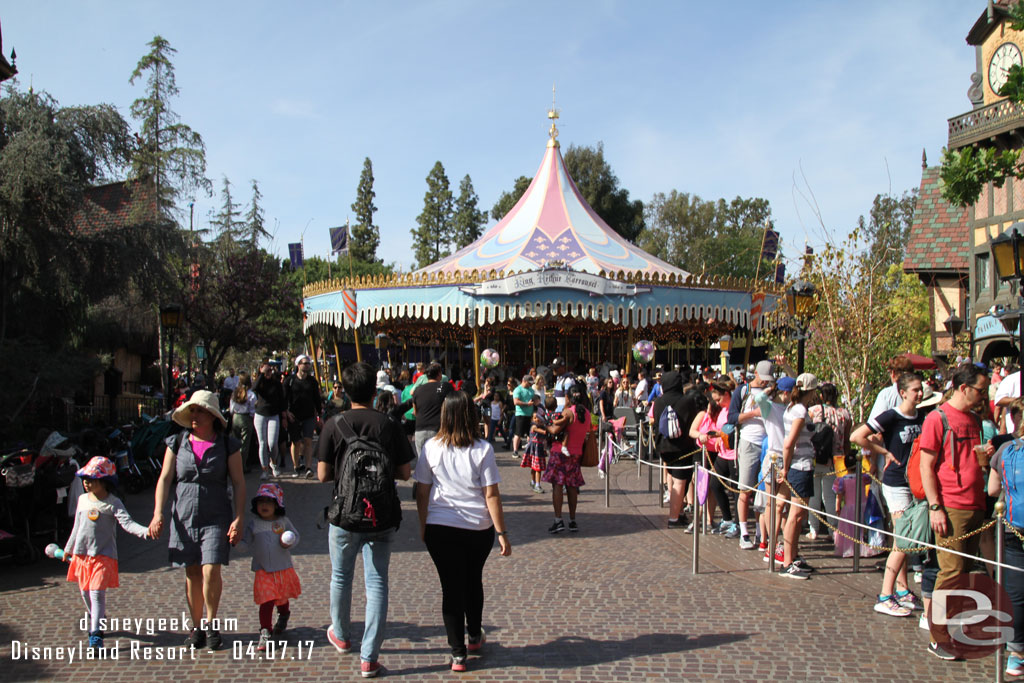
[459,555]
[725,468]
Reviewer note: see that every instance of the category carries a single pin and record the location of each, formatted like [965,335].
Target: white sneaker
[263,475]
[746,543]
[274,472]
[923,623]
[665,498]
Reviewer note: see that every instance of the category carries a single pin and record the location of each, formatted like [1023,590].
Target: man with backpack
[677,451]
[746,415]
[952,478]
[362,451]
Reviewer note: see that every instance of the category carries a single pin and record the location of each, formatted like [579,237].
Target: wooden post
[476,358]
[629,349]
[312,351]
[337,356]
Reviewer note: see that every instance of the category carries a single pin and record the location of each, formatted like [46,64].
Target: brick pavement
[616,601]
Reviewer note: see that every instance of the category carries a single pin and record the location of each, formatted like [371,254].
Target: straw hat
[206,400]
[929,397]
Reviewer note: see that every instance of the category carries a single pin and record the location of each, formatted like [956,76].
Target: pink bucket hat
[98,467]
[271,491]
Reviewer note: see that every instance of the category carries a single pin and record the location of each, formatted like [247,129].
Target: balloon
[489,358]
[55,551]
[643,351]
[288,539]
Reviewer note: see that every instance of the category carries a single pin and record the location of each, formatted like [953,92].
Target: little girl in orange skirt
[92,547]
[270,538]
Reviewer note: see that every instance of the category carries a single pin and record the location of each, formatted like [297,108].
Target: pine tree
[230,228]
[432,238]
[365,237]
[468,221]
[169,154]
[255,222]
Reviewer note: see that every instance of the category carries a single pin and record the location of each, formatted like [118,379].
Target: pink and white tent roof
[552,222]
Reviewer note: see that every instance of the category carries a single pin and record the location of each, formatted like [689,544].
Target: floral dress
[564,461]
[535,455]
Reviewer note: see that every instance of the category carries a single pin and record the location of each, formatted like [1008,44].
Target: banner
[295,254]
[771,245]
[780,273]
[569,279]
[349,297]
[756,306]
[339,239]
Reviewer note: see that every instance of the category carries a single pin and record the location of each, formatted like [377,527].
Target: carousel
[550,279]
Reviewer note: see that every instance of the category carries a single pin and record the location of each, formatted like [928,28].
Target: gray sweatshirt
[95,532]
[264,543]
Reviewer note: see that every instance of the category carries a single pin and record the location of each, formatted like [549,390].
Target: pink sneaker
[474,645]
[342,646]
[370,669]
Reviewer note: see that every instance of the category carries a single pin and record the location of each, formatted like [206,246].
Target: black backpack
[365,496]
[823,439]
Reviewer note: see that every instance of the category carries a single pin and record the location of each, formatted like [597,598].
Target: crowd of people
[375,427]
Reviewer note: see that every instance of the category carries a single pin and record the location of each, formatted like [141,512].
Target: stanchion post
[859,489]
[696,528]
[639,449]
[704,527]
[1000,510]
[773,487]
[607,471]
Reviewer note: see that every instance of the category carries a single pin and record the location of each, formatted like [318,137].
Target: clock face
[1005,56]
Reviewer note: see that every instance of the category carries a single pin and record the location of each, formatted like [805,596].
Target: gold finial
[553,114]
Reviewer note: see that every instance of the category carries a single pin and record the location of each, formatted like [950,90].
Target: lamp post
[1006,253]
[170,319]
[802,304]
[953,324]
[201,357]
[725,344]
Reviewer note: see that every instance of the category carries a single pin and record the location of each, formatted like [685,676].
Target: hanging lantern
[489,359]
[643,351]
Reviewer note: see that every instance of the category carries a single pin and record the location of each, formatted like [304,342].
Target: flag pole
[352,279]
[757,275]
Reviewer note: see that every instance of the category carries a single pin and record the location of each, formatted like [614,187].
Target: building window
[981,273]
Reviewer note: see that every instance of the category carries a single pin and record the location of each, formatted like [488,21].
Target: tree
[255,223]
[432,238]
[244,301]
[365,236]
[714,237]
[967,170]
[888,227]
[230,228]
[169,154]
[600,187]
[507,200]
[468,220]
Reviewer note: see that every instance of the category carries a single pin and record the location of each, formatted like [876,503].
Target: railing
[980,124]
[113,410]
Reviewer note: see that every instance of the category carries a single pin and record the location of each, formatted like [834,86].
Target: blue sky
[715,99]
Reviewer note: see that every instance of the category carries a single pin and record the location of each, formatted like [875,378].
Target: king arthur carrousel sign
[568,279]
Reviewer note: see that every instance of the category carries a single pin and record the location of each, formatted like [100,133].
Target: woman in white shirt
[460,512]
[798,472]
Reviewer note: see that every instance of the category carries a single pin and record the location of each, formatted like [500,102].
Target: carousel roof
[553,224]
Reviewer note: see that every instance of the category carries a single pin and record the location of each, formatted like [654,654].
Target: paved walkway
[617,601]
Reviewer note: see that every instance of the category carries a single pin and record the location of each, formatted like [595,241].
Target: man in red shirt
[951,476]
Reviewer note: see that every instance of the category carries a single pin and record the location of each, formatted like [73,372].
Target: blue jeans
[376,549]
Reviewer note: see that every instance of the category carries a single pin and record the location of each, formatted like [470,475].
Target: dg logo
[93,514]
[972,616]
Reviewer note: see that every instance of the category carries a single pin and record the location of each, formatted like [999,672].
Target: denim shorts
[802,483]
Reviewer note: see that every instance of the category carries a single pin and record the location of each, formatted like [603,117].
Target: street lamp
[802,304]
[201,357]
[170,319]
[1006,253]
[725,344]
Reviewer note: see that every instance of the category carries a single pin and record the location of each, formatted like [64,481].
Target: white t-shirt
[496,410]
[641,390]
[775,428]
[887,398]
[1009,387]
[458,477]
[752,431]
[803,450]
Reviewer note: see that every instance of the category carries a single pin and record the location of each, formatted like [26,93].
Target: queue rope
[887,533]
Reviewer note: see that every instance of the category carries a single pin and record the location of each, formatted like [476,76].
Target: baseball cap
[765,370]
[807,382]
[785,383]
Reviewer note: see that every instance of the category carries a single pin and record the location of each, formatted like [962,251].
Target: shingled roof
[106,207]
[938,237]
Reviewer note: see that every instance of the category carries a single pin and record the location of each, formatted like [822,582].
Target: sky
[815,106]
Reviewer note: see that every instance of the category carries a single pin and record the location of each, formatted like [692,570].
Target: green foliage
[432,238]
[255,223]
[600,187]
[967,170]
[170,156]
[888,227]
[507,200]
[468,220]
[717,237]
[227,221]
[867,312]
[365,237]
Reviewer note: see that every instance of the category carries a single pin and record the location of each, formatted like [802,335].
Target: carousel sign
[594,285]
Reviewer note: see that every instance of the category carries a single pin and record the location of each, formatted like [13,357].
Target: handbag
[590,456]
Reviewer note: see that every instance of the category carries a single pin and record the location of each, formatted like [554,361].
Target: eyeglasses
[978,389]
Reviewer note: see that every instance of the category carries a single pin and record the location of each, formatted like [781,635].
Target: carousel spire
[553,114]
